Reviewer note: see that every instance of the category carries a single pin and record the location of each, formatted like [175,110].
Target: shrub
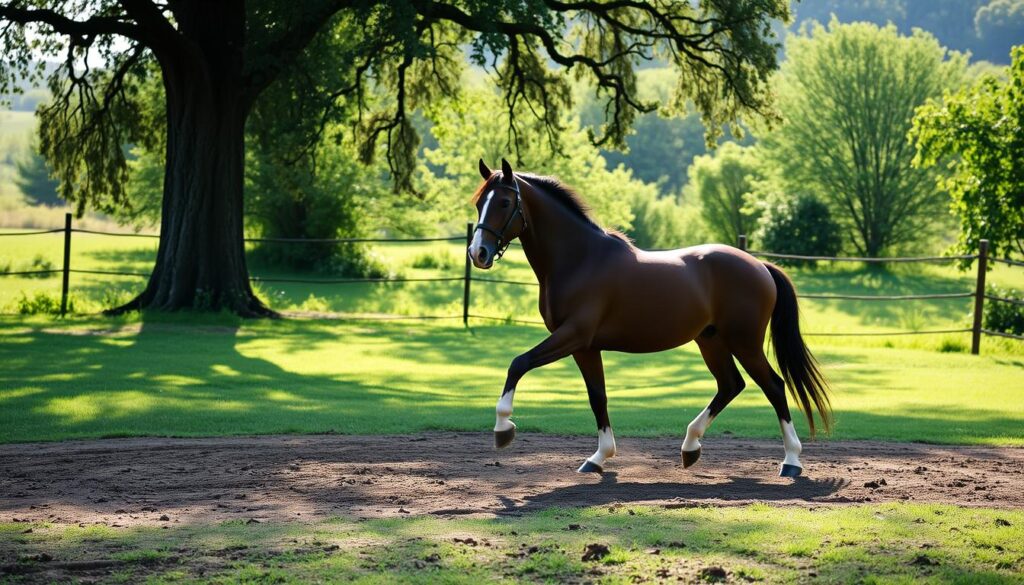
[42,303]
[435,260]
[40,263]
[799,225]
[1004,317]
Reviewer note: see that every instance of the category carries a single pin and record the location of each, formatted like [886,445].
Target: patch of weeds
[40,263]
[435,260]
[42,303]
[952,346]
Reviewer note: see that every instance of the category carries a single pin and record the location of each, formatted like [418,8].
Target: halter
[517,210]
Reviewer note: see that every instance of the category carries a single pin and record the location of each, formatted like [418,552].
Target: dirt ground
[125,482]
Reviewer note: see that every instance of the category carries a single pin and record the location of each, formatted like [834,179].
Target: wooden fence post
[469,267]
[979,297]
[67,265]
[741,242]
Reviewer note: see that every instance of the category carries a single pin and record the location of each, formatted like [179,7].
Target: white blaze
[474,246]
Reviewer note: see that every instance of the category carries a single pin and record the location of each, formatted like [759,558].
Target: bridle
[517,210]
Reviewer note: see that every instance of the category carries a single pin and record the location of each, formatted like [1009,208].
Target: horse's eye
[505,203]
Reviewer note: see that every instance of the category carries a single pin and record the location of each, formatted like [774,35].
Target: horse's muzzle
[482,257]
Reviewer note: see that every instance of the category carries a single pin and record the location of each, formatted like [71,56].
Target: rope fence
[978,294]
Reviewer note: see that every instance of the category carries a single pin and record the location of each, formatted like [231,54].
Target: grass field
[90,293]
[759,543]
[98,377]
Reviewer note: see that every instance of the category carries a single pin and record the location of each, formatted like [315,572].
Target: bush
[435,260]
[1004,317]
[42,303]
[40,263]
[800,225]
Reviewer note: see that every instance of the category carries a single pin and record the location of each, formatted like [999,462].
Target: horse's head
[501,218]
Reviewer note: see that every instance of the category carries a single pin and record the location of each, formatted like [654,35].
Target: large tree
[848,95]
[979,133]
[216,57]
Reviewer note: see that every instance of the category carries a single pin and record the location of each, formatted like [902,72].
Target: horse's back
[663,299]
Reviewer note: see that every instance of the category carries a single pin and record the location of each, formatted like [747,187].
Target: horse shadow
[740,490]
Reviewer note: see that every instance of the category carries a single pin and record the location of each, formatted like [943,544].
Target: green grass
[893,543]
[188,376]
[94,292]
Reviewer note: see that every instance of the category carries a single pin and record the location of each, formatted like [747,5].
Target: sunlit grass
[184,375]
[762,543]
[91,293]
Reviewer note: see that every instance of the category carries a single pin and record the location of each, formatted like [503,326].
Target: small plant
[952,346]
[435,260]
[1002,316]
[42,303]
[40,263]
[315,304]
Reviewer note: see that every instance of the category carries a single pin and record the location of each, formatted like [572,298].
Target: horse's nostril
[482,255]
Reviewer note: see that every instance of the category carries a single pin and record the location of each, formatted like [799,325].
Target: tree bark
[200,262]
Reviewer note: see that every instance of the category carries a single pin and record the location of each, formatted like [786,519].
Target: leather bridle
[516,211]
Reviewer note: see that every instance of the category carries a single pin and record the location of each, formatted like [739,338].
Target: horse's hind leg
[756,364]
[592,369]
[730,384]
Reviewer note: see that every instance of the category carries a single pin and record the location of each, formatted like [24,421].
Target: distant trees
[977,133]
[848,94]
[35,180]
[721,184]
[979,26]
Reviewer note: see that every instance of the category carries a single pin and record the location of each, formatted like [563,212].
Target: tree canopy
[977,133]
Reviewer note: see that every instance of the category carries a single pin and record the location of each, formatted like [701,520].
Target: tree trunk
[200,263]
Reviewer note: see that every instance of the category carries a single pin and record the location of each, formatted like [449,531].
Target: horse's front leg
[564,341]
[592,369]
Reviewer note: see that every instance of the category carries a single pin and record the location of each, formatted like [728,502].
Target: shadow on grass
[159,378]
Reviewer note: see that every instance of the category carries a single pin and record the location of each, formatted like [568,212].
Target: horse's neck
[556,239]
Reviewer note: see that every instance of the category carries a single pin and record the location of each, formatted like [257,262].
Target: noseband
[500,234]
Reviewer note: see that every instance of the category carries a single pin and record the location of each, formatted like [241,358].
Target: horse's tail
[798,367]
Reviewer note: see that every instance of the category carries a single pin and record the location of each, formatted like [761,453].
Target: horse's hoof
[590,467]
[503,439]
[690,457]
[790,470]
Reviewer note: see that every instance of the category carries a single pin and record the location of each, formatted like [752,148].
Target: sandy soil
[125,482]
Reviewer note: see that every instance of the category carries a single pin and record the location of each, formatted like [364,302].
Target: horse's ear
[506,171]
[484,171]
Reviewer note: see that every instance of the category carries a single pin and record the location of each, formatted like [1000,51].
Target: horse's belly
[650,328]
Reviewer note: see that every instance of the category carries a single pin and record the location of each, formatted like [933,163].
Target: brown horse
[598,293]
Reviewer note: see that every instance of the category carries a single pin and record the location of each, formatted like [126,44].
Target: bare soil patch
[156,481]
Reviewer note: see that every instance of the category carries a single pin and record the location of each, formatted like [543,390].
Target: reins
[518,210]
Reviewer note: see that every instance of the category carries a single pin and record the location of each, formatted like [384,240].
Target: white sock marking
[792,443]
[695,430]
[504,412]
[605,447]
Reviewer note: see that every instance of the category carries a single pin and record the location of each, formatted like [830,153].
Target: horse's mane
[561,193]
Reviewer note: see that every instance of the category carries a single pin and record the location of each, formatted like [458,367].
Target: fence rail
[978,294]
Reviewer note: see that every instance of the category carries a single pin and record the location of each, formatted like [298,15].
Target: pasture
[399,480]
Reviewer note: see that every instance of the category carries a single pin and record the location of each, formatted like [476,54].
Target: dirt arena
[125,482]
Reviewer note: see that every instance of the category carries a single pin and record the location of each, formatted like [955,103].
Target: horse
[599,292]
